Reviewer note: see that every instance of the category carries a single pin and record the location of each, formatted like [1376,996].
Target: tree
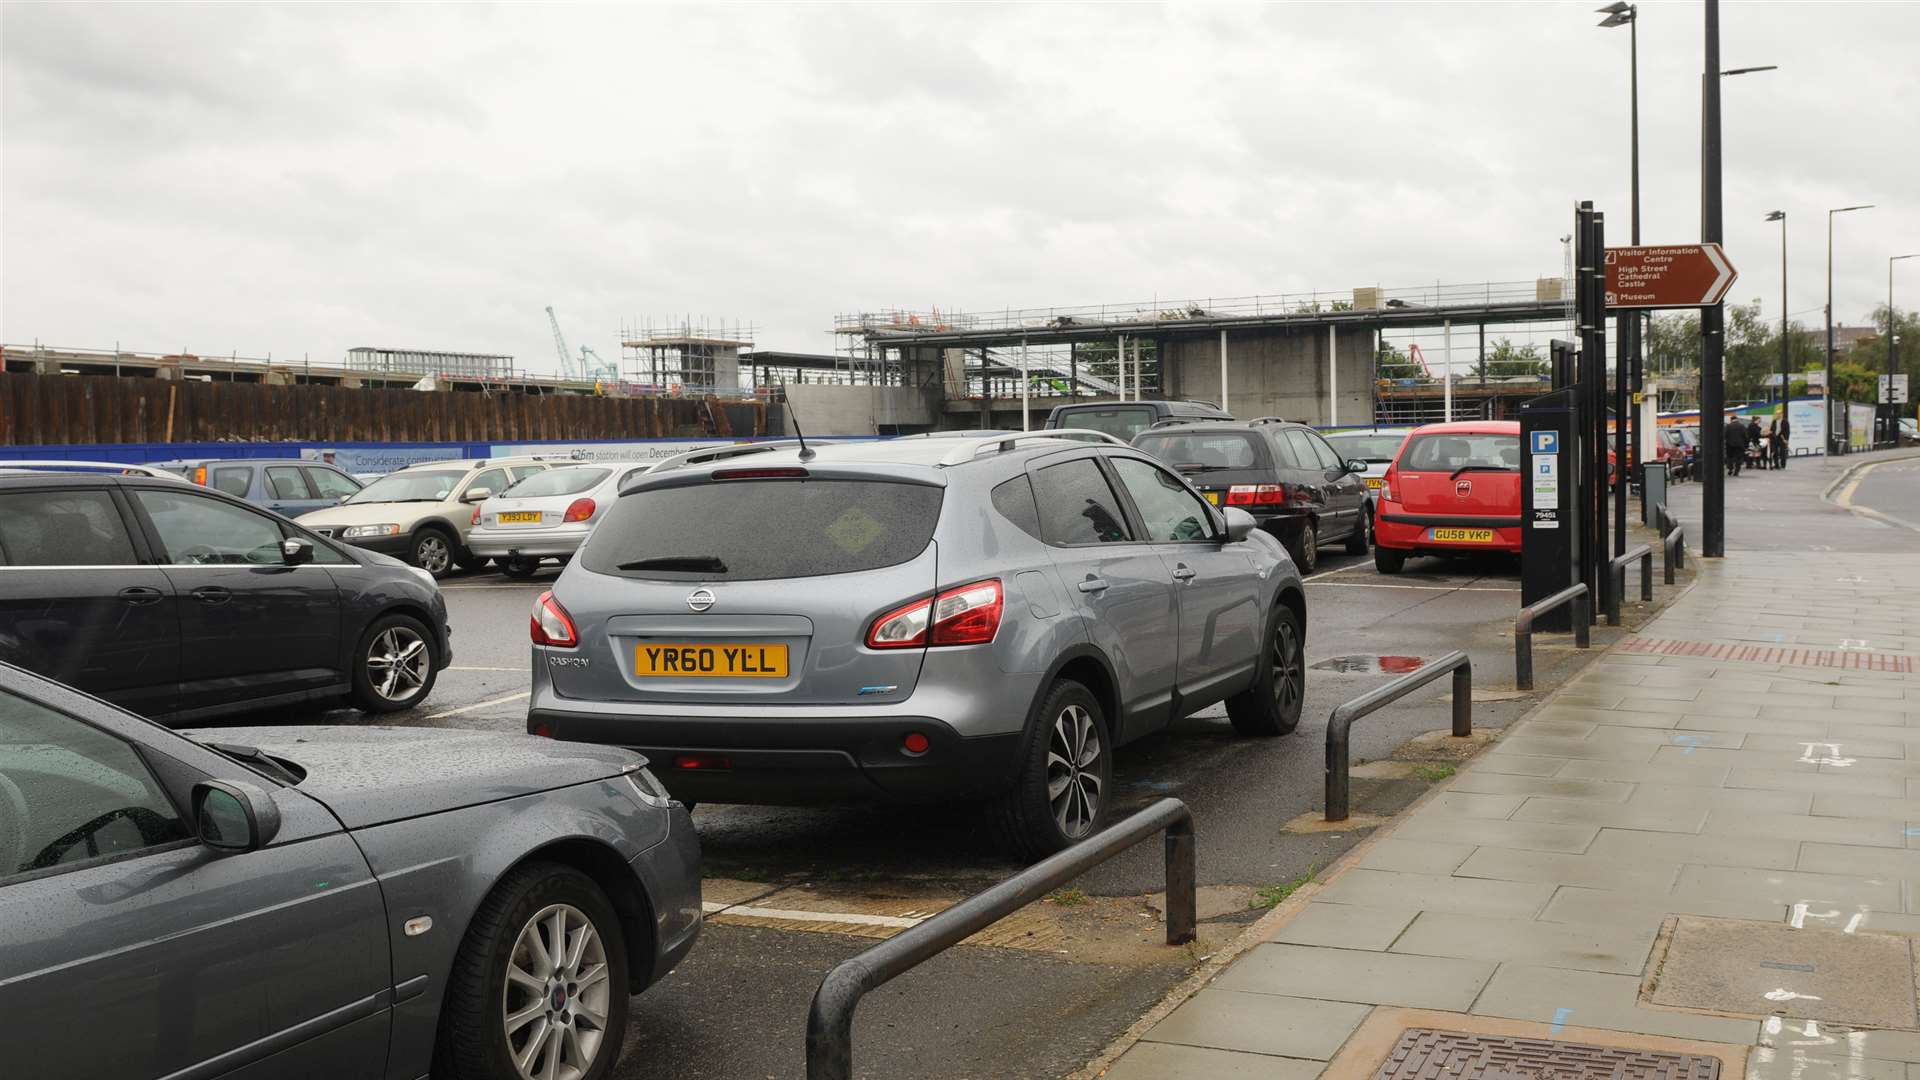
[1673,343]
[1393,364]
[1510,361]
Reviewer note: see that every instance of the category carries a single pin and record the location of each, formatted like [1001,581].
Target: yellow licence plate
[1212,497]
[747,660]
[1465,536]
[1374,482]
[520,517]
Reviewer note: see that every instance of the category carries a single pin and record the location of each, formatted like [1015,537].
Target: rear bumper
[505,543]
[1413,533]
[799,761]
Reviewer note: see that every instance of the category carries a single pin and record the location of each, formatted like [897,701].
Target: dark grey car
[286,486]
[325,901]
[182,602]
[920,619]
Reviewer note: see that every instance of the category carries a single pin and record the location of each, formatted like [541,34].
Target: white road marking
[529,585]
[1425,588]
[1330,573]
[456,667]
[790,915]
[480,705]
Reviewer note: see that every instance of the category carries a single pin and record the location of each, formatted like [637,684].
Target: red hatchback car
[1454,489]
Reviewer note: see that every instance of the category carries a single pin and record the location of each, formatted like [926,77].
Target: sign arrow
[1668,276]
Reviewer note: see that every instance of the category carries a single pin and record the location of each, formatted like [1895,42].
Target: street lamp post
[1893,351]
[1833,429]
[1626,367]
[1786,348]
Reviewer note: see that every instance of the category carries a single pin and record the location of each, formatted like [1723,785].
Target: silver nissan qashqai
[917,619]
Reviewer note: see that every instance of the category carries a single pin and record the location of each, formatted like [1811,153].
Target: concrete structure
[862,410]
[1279,371]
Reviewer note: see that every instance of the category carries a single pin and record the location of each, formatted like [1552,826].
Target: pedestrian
[1780,442]
[1736,437]
[1755,447]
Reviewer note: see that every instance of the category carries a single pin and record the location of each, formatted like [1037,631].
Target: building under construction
[685,359]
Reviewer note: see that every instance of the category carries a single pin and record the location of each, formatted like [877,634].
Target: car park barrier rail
[1523,629]
[1343,716]
[1674,539]
[1618,568]
[830,1021]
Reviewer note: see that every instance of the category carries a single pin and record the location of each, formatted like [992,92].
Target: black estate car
[180,602]
[1284,474]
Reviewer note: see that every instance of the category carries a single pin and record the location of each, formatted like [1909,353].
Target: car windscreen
[1449,453]
[1121,421]
[557,482]
[410,487]
[1367,447]
[752,530]
[1202,451]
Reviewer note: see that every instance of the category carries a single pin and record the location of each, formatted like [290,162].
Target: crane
[560,346]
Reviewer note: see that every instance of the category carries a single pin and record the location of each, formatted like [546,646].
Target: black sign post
[1551,479]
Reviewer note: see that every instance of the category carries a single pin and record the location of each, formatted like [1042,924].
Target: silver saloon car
[324,901]
[914,620]
[546,516]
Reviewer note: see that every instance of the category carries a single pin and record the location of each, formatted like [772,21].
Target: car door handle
[1182,572]
[1093,584]
[212,594]
[140,595]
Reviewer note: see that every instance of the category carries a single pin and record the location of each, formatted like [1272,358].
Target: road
[1064,976]
[1875,510]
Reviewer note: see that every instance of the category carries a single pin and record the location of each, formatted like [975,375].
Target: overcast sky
[299,180]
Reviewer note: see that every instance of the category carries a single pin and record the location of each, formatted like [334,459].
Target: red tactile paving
[1850,659]
[1426,1054]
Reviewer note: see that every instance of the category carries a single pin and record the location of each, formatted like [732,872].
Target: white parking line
[456,667]
[480,705]
[1330,573]
[1427,588]
[791,915]
[529,585]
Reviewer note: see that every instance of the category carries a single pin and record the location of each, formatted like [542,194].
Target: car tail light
[703,761]
[967,615]
[1386,484]
[579,510]
[475,519]
[551,625]
[775,473]
[542,730]
[200,475]
[1256,495]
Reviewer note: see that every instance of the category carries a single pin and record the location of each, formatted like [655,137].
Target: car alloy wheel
[432,554]
[1288,675]
[554,1004]
[1073,772]
[398,663]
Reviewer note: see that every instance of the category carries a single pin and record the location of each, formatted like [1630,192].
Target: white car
[1375,446]
[546,516]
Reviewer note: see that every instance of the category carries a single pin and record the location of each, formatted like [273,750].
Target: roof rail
[1176,421]
[960,455]
[1258,420]
[121,467]
[730,450]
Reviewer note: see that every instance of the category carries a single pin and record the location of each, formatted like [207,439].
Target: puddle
[1372,665]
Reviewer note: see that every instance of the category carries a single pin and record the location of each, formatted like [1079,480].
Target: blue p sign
[1546,442]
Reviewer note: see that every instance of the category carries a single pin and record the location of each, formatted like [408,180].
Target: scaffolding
[422,362]
[684,358]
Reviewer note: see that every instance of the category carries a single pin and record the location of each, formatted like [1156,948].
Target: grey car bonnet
[370,775]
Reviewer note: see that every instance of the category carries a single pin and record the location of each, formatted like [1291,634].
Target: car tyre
[1387,560]
[434,551]
[1305,548]
[394,665]
[519,568]
[1362,537]
[1065,782]
[492,1016]
[1271,706]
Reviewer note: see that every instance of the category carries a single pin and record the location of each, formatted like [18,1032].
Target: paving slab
[1581,812]
[1766,1063]
[1681,771]
[1860,861]
[1551,746]
[1422,982]
[1849,747]
[1533,835]
[1866,806]
[1599,716]
[1705,850]
[1597,1000]
[1790,887]
[1814,1036]
[1832,830]
[1376,888]
[1226,1019]
[1637,875]
[1346,926]
[1818,782]
[1574,903]
[1553,786]
[1580,946]
[1519,764]
[1740,800]
[1415,857]
[1171,1061]
[1467,804]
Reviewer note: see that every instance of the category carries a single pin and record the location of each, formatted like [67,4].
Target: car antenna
[806,454]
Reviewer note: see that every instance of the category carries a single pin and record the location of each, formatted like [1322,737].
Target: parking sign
[1546,442]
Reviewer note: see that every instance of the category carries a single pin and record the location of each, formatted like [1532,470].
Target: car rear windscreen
[1431,453]
[1202,449]
[557,482]
[1366,447]
[1122,422]
[751,530]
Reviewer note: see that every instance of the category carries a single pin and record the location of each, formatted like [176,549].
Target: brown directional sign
[1668,276]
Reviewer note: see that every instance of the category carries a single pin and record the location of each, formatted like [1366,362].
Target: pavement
[1705,845]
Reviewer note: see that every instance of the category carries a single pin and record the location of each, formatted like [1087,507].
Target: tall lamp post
[1626,367]
[1833,429]
[1786,348]
[1893,351]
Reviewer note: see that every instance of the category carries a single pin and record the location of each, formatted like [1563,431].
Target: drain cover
[1426,1054]
[1730,965]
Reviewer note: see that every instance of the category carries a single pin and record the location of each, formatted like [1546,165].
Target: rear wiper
[256,757]
[1481,468]
[707,564]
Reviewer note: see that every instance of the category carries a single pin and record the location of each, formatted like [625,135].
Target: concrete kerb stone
[1287,910]
[1846,473]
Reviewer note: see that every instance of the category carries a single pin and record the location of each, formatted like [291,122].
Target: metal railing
[1618,569]
[1674,539]
[1343,716]
[830,1021]
[1523,629]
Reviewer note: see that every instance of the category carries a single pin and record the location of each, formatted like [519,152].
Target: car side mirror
[477,494]
[1240,524]
[295,551]
[1355,465]
[342,500]
[233,815]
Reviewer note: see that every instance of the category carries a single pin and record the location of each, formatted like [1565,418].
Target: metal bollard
[1523,629]
[1341,720]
